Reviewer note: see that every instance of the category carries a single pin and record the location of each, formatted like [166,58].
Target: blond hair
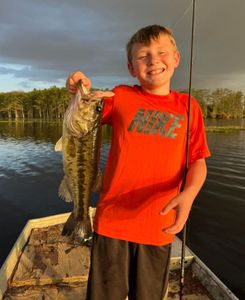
[146,35]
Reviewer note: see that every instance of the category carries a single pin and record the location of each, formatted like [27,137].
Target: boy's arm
[182,203]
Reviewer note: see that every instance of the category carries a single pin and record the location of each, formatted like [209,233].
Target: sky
[42,41]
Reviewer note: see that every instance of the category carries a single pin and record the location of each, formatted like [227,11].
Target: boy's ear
[177,58]
[131,69]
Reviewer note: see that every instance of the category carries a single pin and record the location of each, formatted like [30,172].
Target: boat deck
[51,267]
[44,265]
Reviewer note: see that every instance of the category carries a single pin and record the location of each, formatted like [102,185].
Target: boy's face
[154,65]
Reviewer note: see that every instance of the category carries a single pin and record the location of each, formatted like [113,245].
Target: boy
[140,206]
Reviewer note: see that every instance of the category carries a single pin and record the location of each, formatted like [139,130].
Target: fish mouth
[91,98]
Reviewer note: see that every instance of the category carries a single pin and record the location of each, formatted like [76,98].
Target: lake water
[30,173]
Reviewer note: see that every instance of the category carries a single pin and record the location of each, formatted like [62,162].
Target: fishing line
[182,16]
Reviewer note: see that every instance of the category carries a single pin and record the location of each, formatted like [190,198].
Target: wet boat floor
[51,267]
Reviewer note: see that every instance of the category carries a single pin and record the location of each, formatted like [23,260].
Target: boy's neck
[162,91]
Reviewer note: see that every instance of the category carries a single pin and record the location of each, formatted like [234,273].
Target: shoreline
[224,128]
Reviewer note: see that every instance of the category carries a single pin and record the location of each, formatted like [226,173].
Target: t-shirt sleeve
[107,111]
[198,147]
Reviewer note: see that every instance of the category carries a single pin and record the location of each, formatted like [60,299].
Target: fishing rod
[182,267]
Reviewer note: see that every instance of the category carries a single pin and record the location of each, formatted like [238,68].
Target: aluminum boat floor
[50,267]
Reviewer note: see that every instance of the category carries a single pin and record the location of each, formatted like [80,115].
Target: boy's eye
[142,57]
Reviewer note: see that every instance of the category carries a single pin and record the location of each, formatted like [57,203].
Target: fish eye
[99,108]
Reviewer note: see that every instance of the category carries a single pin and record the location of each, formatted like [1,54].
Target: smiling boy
[141,206]
[153,63]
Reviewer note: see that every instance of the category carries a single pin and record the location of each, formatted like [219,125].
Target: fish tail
[79,229]
[69,225]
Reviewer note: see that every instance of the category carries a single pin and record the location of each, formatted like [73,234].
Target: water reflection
[28,147]
[26,157]
[39,131]
[35,130]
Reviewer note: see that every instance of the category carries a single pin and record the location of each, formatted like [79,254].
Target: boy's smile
[154,64]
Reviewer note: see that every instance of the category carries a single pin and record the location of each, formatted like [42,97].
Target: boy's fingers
[108,94]
[71,89]
[101,94]
[74,78]
[165,210]
[168,207]
[172,230]
[176,228]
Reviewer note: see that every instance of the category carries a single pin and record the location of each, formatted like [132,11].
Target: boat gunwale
[202,271]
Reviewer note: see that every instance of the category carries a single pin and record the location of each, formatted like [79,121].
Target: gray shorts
[120,269]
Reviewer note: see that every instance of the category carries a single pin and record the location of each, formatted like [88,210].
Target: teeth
[155,72]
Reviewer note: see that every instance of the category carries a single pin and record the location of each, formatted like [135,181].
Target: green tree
[227,104]
[51,103]
[203,98]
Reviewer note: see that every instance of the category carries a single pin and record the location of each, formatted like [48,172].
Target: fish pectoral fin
[96,188]
[64,192]
[58,145]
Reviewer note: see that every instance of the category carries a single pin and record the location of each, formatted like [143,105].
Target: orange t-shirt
[146,162]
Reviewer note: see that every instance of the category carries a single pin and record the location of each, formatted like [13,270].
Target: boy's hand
[182,205]
[74,78]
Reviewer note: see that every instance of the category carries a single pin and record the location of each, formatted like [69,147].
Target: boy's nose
[153,59]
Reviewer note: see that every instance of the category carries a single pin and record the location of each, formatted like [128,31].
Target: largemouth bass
[80,143]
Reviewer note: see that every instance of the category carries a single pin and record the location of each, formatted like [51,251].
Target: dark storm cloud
[51,38]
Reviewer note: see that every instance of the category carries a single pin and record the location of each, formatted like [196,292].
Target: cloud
[51,38]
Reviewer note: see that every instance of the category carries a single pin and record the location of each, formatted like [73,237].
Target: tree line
[43,104]
[220,103]
[50,104]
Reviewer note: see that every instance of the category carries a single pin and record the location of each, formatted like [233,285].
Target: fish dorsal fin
[58,145]
[64,192]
